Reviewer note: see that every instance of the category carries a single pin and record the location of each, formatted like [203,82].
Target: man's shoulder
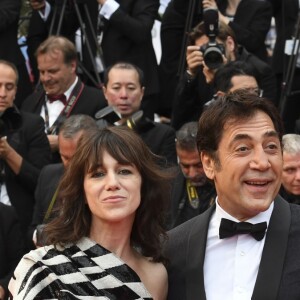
[161,128]
[182,231]
[52,169]
[90,100]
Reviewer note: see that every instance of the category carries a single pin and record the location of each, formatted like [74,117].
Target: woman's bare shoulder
[155,278]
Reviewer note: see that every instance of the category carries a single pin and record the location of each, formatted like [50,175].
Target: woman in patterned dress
[105,241]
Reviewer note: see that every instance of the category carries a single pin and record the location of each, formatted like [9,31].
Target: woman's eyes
[125,172]
[99,174]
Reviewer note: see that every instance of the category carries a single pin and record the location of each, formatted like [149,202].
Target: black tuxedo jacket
[47,184]
[278,276]
[31,142]
[127,37]
[11,243]
[89,102]
[160,138]
[251,24]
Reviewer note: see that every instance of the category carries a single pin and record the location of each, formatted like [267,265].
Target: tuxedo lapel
[273,256]
[195,256]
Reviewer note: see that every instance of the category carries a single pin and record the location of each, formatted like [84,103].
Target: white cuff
[108,8]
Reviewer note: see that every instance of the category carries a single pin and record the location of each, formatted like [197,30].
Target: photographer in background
[124,90]
[192,193]
[24,148]
[195,89]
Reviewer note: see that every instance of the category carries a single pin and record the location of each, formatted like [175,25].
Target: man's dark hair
[13,67]
[186,136]
[123,66]
[224,31]
[223,76]
[233,107]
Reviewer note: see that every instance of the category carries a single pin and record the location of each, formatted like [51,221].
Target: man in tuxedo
[192,193]
[124,90]
[46,190]
[62,93]
[245,246]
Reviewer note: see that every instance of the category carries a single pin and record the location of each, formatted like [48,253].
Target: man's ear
[208,165]
[220,93]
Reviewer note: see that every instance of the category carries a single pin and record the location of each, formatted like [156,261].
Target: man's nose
[123,93]
[3,91]
[260,159]
[297,176]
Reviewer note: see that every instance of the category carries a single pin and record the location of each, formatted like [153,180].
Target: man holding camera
[194,88]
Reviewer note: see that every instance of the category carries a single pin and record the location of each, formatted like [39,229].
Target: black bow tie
[61,97]
[230,228]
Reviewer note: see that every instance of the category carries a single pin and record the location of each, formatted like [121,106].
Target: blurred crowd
[92,64]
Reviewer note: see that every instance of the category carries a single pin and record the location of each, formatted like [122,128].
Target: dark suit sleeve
[11,243]
[9,13]
[168,149]
[38,152]
[190,96]
[39,211]
[138,25]
[265,76]
[254,34]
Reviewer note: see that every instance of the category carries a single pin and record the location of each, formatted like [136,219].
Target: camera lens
[213,57]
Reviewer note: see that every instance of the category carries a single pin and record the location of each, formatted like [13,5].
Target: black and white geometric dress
[81,271]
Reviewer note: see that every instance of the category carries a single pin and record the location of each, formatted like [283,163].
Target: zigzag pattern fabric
[82,271]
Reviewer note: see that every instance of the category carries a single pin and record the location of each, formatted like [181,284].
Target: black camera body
[212,51]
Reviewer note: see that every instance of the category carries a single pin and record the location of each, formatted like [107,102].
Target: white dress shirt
[231,264]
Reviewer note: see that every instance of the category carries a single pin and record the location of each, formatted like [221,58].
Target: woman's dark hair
[237,106]
[73,214]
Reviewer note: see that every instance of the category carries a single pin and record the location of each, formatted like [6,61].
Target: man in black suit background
[124,90]
[24,148]
[192,193]
[62,92]
[45,193]
[286,14]
[10,49]
[11,246]
[220,254]
[124,30]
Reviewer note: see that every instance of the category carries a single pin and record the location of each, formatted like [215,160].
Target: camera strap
[50,207]
[65,113]
[192,194]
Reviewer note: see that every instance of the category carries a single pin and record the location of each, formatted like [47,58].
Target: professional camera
[212,51]
[108,117]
